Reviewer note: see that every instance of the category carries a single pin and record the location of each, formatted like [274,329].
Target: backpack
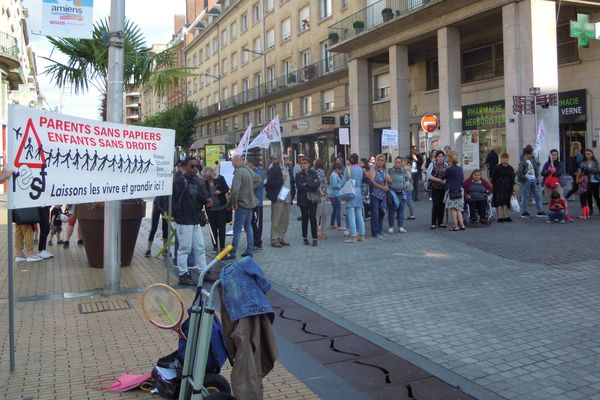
[582,183]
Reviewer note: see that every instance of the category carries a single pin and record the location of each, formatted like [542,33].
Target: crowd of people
[359,190]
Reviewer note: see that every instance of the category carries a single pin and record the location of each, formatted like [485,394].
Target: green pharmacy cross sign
[583,30]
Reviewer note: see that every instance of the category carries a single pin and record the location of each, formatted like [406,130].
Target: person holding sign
[281,189]
[189,196]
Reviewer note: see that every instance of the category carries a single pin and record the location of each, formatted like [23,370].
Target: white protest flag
[60,159]
[271,133]
[243,146]
[541,135]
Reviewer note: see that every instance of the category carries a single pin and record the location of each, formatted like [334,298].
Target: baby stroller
[489,213]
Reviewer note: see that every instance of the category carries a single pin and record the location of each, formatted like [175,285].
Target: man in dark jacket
[492,161]
[278,178]
[189,197]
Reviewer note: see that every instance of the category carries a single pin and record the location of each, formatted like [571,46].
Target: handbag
[552,181]
[455,194]
[26,216]
[313,197]
[514,204]
[347,191]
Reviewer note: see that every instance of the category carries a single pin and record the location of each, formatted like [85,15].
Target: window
[244,57]
[306,102]
[244,22]
[225,93]
[200,56]
[483,63]
[207,78]
[207,51]
[234,90]
[233,30]
[246,119]
[287,72]
[344,4]
[245,87]
[209,130]
[433,76]
[270,38]
[256,13]
[194,60]
[286,29]
[256,46]
[225,125]
[347,95]
[195,85]
[224,67]
[269,5]
[223,38]
[305,58]
[325,8]
[208,100]
[288,110]
[215,44]
[236,122]
[271,77]
[328,100]
[382,85]
[258,117]
[327,58]
[234,62]
[272,111]
[304,18]
[257,79]
[216,70]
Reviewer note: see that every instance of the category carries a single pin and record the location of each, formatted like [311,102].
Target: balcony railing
[8,46]
[373,16]
[296,77]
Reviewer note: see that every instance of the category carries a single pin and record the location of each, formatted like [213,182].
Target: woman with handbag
[453,178]
[354,204]
[438,189]
[307,185]
[380,180]
[217,213]
[552,171]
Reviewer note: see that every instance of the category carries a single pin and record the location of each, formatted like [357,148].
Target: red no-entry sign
[430,123]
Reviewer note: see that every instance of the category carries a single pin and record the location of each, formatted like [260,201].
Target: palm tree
[87,63]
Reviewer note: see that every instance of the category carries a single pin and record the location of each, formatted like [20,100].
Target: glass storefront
[572,117]
[485,124]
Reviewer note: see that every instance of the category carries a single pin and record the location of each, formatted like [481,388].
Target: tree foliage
[181,118]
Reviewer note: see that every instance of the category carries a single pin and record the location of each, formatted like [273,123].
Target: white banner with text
[60,159]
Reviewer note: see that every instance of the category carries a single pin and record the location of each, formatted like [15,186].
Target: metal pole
[112,209]
[11,292]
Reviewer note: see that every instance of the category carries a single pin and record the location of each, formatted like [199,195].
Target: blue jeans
[336,213]
[377,214]
[527,190]
[397,213]
[556,214]
[243,219]
[409,201]
[355,218]
[415,193]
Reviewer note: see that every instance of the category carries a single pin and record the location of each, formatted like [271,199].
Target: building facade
[258,59]
[371,65]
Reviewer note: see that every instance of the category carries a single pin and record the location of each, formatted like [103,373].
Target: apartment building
[464,60]
[258,59]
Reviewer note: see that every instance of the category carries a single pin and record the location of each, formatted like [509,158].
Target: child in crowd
[583,182]
[55,224]
[557,208]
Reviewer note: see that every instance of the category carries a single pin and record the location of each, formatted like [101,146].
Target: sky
[154,17]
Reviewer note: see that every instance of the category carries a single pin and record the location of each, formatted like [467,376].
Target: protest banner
[60,159]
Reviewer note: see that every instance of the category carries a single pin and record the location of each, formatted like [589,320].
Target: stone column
[360,91]
[399,100]
[530,60]
[450,87]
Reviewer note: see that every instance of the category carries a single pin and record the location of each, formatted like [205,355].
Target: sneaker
[147,253]
[525,215]
[35,258]
[402,230]
[562,221]
[540,214]
[346,233]
[80,242]
[186,280]
[214,251]
[66,244]
[548,221]
[45,254]
[284,243]
[49,242]
[60,242]
[568,218]
[509,219]
[379,236]
[246,255]
[390,230]
[20,259]
[258,248]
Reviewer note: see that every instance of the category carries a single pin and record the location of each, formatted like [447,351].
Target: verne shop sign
[492,115]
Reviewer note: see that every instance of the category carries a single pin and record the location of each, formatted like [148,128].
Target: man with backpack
[189,197]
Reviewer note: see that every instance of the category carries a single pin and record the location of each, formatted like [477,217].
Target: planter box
[91,222]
